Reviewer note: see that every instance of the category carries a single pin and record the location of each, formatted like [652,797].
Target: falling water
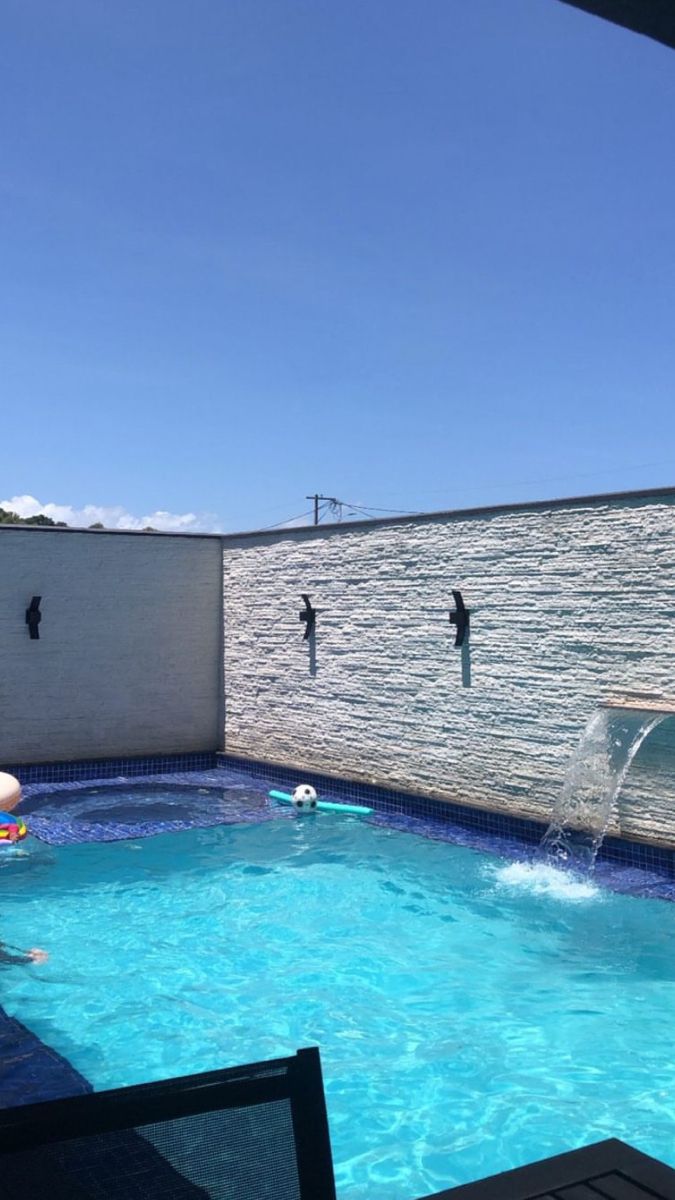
[592,783]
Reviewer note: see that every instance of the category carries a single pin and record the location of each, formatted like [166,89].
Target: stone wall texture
[129,659]
[570,605]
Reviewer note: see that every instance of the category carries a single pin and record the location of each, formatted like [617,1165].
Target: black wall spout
[460,618]
[308,615]
[33,618]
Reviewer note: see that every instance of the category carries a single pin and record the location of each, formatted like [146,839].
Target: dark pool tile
[30,1071]
[109,768]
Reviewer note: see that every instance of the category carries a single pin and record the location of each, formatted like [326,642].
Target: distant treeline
[11,518]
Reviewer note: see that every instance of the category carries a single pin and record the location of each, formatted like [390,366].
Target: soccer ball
[304,798]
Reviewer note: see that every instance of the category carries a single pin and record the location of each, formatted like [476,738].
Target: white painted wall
[129,660]
[569,604]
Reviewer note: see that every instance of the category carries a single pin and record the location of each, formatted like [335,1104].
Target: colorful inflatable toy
[12,829]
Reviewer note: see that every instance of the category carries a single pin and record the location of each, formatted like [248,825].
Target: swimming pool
[466,1025]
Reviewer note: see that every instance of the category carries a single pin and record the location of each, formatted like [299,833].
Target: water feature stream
[592,784]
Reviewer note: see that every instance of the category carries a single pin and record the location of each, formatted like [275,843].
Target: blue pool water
[470,1018]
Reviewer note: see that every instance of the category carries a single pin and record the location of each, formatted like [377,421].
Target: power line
[287,521]
[337,506]
[356,508]
[334,505]
[549,479]
[403,512]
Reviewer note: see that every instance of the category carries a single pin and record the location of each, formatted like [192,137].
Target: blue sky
[415,256]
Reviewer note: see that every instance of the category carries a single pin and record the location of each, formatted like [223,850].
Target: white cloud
[114,516]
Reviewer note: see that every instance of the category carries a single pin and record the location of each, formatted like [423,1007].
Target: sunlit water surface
[471,1016]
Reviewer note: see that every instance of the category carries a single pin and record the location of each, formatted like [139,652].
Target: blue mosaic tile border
[109,768]
[472,826]
[389,800]
[638,854]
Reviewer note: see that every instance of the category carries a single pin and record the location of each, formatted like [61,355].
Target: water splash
[592,783]
[544,879]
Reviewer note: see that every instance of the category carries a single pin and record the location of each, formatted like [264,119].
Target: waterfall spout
[593,781]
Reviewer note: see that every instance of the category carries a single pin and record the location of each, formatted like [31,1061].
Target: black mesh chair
[258,1132]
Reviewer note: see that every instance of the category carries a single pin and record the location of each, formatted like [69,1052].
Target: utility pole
[332,500]
[316,499]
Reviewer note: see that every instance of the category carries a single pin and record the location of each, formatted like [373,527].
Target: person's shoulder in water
[12,954]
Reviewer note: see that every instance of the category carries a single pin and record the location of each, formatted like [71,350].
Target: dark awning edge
[653,18]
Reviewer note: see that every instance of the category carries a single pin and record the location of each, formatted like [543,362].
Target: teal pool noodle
[359,810]
[325,805]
